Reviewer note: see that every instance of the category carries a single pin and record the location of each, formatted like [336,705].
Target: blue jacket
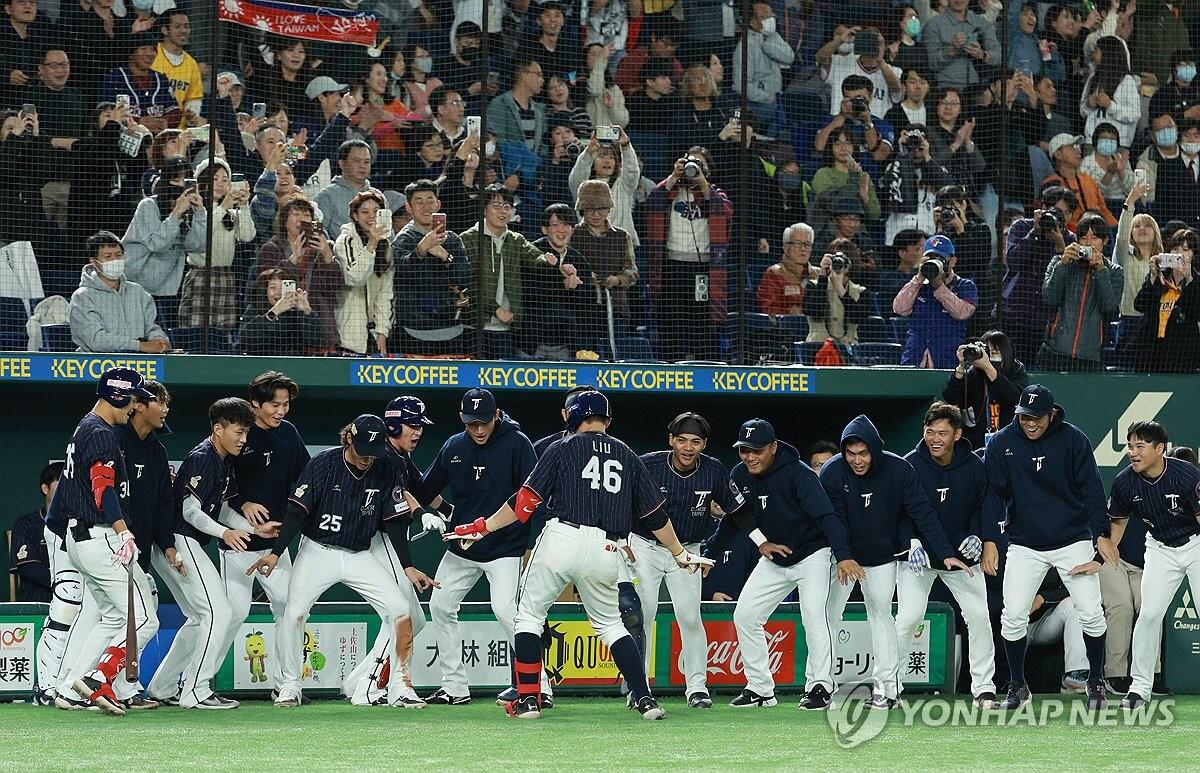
[790,508]
[1051,485]
[151,502]
[873,506]
[478,480]
[959,495]
[931,327]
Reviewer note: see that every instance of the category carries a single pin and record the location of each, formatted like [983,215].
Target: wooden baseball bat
[131,644]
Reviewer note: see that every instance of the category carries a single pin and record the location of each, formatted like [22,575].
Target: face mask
[1166,137]
[996,360]
[845,48]
[1191,148]
[1106,146]
[1185,72]
[112,269]
[143,5]
[913,27]
[423,63]
[489,149]
[789,181]
[768,25]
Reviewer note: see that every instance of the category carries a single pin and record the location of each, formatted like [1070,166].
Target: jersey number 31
[609,476]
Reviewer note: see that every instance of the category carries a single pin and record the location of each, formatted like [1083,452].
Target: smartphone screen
[260,110]
[439,221]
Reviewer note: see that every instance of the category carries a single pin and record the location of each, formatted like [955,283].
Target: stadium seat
[877,353]
[794,326]
[806,352]
[194,339]
[899,328]
[13,337]
[635,348]
[57,338]
[876,330]
[168,310]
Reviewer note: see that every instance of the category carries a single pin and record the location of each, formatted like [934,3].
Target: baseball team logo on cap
[368,435]
[478,405]
[755,434]
[117,386]
[405,410]
[939,245]
[1036,401]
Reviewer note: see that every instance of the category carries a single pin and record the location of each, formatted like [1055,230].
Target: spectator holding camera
[872,137]
[1066,155]
[1169,340]
[986,384]
[768,55]
[938,303]
[565,152]
[834,303]
[156,244]
[210,292]
[909,245]
[1138,241]
[971,236]
[781,291]
[859,51]
[363,314]
[909,183]
[1083,289]
[961,44]
[433,278]
[1108,164]
[616,163]
[108,312]
[279,321]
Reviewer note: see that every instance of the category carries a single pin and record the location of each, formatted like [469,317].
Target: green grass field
[587,732]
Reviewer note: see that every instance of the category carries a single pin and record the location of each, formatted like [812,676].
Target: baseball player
[66,590]
[203,485]
[1043,470]
[90,507]
[872,491]
[28,562]
[955,483]
[478,469]
[691,481]
[367,684]
[595,485]
[266,471]
[799,538]
[1165,494]
[339,501]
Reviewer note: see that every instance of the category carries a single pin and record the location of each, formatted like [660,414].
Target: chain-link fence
[778,182]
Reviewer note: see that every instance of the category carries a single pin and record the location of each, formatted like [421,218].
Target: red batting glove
[468,532]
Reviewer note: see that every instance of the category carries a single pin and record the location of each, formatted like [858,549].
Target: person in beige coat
[363,314]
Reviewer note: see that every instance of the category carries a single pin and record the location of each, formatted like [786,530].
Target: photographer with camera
[834,303]
[986,384]
[614,161]
[687,223]
[565,151]
[1029,246]
[1083,288]
[858,51]
[1169,341]
[909,183]
[972,239]
[938,302]
[873,137]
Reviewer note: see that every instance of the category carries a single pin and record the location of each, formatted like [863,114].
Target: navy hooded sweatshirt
[788,505]
[151,505]
[1051,485]
[873,506]
[479,479]
[959,495]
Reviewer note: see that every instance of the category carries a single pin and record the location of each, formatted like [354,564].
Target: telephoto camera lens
[858,104]
[692,170]
[972,352]
[932,269]
[839,261]
[948,215]
[1047,223]
[572,149]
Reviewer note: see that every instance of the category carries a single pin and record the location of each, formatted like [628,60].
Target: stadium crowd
[901,181]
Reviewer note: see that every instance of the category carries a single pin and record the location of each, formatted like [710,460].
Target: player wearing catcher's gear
[955,483]
[367,684]
[340,500]
[1165,494]
[799,538]
[595,486]
[203,486]
[478,469]
[266,472]
[1043,470]
[872,490]
[691,481]
[66,592]
[90,506]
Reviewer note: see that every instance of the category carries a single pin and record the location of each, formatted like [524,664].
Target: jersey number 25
[609,476]
[330,522]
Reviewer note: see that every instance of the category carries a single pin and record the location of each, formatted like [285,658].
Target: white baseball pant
[317,568]
[912,594]
[878,590]
[768,585]
[652,564]
[201,644]
[562,555]
[1165,569]
[1062,624]
[108,585]
[1121,591]
[361,686]
[65,600]
[1023,574]
[239,589]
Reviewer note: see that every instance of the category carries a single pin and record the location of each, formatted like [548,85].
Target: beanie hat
[593,194]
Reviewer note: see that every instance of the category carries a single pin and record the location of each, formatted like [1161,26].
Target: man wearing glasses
[449,107]
[515,116]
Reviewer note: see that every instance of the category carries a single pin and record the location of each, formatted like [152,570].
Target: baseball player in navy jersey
[339,502]
[90,507]
[367,684]
[596,486]
[799,538]
[478,469]
[872,490]
[266,471]
[203,486]
[1165,494]
[1043,470]
[691,481]
[28,559]
[955,483]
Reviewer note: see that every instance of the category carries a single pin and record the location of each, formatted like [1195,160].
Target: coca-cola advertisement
[725,656]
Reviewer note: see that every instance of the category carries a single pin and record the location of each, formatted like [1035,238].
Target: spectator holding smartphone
[616,163]
[279,323]
[363,314]
[165,227]
[215,286]
[1169,341]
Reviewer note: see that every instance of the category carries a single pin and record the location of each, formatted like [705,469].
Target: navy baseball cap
[478,405]
[405,410]
[574,392]
[587,405]
[1036,401]
[368,435]
[756,434]
[939,245]
[117,386]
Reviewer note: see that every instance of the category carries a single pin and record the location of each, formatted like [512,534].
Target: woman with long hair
[903,50]
[363,314]
[701,119]
[986,389]
[1138,240]
[1169,340]
[286,78]
[1110,94]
